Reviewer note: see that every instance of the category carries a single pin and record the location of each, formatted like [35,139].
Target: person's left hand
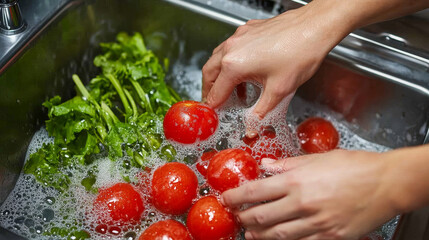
[336,195]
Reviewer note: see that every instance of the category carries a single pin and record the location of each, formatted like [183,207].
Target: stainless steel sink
[382,91]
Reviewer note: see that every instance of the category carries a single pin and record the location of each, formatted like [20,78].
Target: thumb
[272,94]
[221,89]
[287,164]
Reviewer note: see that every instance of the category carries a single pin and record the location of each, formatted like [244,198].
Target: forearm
[406,180]
[337,18]
[364,12]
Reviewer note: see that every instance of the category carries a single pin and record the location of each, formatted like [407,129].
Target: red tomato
[247,149]
[230,167]
[189,121]
[203,164]
[174,186]
[209,220]
[317,135]
[168,229]
[121,203]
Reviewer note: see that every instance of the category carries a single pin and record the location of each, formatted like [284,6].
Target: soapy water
[33,210]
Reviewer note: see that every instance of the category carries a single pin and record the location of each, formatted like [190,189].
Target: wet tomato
[317,135]
[189,121]
[174,186]
[203,162]
[209,220]
[119,203]
[168,229]
[230,167]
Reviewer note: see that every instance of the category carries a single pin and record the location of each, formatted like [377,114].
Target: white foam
[23,210]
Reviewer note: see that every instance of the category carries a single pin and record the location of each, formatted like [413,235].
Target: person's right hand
[335,195]
[281,53]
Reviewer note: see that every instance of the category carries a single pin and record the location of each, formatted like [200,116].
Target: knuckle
[228,62]
[250,191]
[251,21]
[335,235]
[259,218]
[279,91]
[280,234]
[305,207]
[206,69]
[241,29]
[229,43]
[319,223]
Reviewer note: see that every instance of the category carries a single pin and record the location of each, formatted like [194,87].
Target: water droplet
[19,220]
[114,230]
[222,144]
[130,236]
[47,214]
[50,200]
[39,229]
[29,222]
[190,158]
[204,191]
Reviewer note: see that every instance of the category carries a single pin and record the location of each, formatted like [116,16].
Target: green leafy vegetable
[119,110]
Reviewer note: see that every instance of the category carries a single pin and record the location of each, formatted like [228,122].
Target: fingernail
[248,236]
[222,201]
[267,161]
[237,219]
[251,134]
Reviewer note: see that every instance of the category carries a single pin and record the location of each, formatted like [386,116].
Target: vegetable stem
[133,105]
[117,86]
[111,116]
[143,96]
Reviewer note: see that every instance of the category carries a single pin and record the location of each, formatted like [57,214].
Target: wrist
[326,23]
[407,173]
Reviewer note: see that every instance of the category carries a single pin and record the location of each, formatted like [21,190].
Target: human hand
[280,53]
[335,195]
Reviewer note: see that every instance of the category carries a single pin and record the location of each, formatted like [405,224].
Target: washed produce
[230,168]
[203,163]
[111,166]
[122,105]
[166,230]
[120,204]
[317,135]
[190,121]
[209,220]
[174,187]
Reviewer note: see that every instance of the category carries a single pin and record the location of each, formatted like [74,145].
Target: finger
[257,191]
[268,214]
[314,237]
[292,230]
[282,165]
[211,71]
[272,95]
[221,89]
[218,48]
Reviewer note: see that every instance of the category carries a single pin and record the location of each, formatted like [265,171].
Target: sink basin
[382,104]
